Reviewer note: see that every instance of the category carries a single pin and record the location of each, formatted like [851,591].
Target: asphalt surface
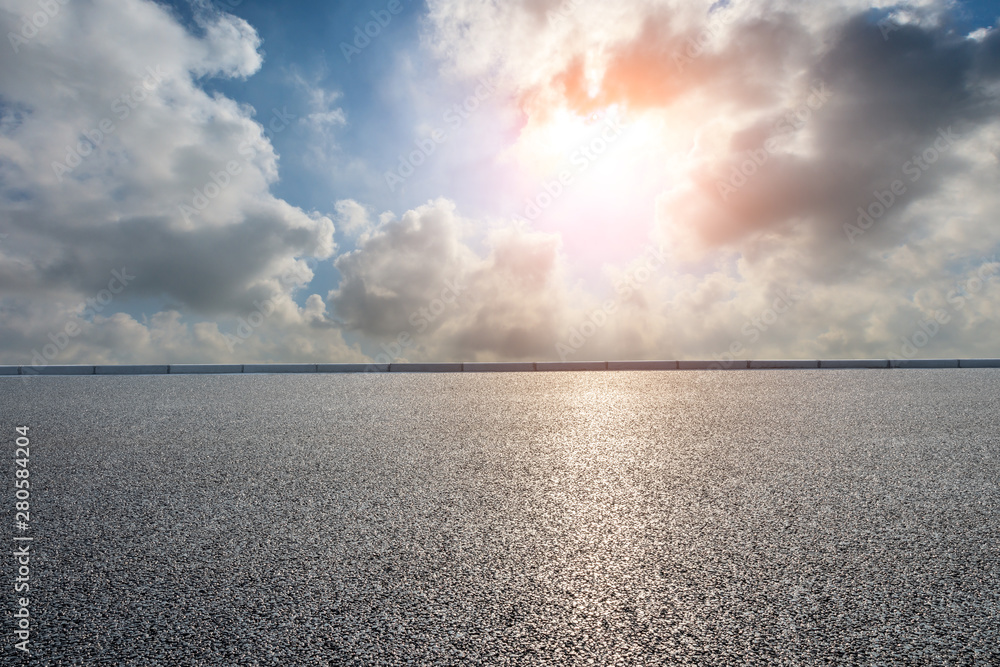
[727,518]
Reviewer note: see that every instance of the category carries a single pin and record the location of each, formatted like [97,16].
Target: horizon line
[492,367]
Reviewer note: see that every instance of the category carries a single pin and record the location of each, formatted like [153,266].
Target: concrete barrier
[498,367]
[923,363]
[425,368]
[854,363]
[57,370]
[979,363]
[571,366]
[642,365]
[783,364]
[352,368]
[279,368]
[131,370]
[738,364]
[198,369]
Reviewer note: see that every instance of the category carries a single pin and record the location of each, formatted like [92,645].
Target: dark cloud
[212,270]
[399,268]
[417,276]
[890,100]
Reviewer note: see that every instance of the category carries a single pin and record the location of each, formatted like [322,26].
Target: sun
[572,147]
[551,139]
[594,178]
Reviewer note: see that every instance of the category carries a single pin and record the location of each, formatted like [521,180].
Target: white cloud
[352,217]
[231,45]
[112,155]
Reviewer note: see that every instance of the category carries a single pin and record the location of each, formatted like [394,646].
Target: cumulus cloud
[352,217]
[853,141]
[112,156]
[419,277]
[231,45]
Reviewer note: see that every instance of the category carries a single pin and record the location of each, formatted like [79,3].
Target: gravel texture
[771,517]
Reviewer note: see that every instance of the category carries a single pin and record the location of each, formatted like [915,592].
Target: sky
[477,180]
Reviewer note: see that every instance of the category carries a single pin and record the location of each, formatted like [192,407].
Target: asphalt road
[727,518]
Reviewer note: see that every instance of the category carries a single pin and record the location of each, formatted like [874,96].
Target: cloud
[748,69]
[231,45]
[888,102]
[419,276]
[398,268]
[324,111]
[796,116]
[112,155]
[352,218]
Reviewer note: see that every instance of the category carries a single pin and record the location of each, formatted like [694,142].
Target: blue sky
[386,90]
[639,180]
[306,39]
